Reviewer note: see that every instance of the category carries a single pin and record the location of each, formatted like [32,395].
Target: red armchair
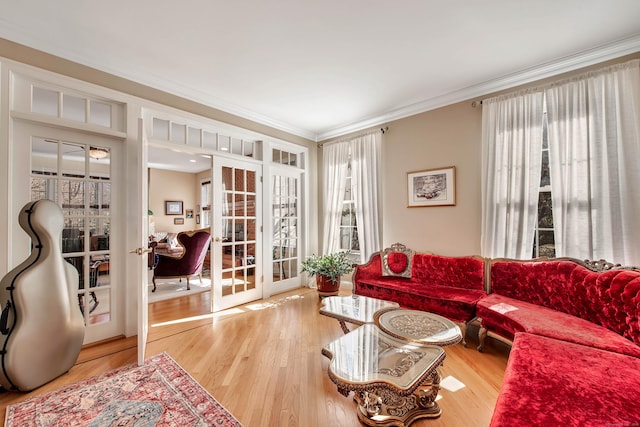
[196,244]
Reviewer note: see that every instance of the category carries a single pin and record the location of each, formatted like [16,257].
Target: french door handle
[140,251]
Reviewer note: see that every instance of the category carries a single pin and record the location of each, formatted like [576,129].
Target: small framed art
[173,207]
[178,221]
[189,214]
[434,187]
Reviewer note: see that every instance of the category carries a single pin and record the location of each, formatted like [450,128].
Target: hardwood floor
[262,361]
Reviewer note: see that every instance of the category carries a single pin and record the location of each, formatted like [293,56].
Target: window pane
[545,178]
[178,133]
[73,160]
[99,163]
[100,114]
[546,244]
[44,156]
[72,197]
[45,102]
[73,235]
[74,108]
[545,211]
[161,129]
[193,137]
[236,146]
[209,140]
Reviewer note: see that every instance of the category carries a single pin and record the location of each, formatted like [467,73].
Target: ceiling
[320,69]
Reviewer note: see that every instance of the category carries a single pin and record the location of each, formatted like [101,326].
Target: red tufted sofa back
[609,298]
[459,272]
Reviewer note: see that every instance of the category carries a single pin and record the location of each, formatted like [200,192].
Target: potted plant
[327,269]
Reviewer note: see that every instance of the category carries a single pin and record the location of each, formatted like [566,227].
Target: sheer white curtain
[594,143]
[365,176]
[511,165]
[334,170]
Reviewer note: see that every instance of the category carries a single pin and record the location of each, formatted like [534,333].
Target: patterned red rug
[160,393]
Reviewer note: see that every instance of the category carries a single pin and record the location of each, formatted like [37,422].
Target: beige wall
[448,136]
[176,186]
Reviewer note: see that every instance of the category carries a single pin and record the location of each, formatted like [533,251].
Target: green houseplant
[328,269]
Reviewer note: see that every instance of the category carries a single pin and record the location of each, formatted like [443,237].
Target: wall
[448,136]
[169,185]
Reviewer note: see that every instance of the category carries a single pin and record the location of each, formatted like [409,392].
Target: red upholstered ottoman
[555,383]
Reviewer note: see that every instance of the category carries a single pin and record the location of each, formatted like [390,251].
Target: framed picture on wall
[197,218]
[173,207]
[189,214]
[178,221]
[434,187]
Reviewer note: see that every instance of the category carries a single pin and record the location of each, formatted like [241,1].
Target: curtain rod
[382,130]
[560,81]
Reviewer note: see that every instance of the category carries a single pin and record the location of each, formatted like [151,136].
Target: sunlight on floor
[261,305]
[452,384]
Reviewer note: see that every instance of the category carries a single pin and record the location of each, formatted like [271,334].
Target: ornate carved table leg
[385,407]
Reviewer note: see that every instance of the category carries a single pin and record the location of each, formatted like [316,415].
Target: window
[543,241]
[348,223]
[351,182]
[205,202]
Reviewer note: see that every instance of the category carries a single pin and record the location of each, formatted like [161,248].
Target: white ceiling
[327,67]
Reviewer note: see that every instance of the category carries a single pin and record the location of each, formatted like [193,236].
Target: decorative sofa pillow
[396,261]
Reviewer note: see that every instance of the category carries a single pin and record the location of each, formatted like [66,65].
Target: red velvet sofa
[448,286]
[575,327]
[575,359]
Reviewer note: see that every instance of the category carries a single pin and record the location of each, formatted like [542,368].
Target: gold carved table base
[384,407]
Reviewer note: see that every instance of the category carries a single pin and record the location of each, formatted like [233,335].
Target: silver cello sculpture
[41,323]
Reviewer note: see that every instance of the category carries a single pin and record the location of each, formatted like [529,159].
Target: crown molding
[17,34]
[583,59]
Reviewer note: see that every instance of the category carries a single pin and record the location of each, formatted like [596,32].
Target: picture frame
[197,218]
[433,187]
[178,221]
[173,207]
[189,213]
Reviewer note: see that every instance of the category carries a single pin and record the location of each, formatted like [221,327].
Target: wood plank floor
[262,361]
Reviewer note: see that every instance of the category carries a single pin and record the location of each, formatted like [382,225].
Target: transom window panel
[197,137]
[76,107]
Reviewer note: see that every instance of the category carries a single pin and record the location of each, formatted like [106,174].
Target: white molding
[569,63]
[549,69]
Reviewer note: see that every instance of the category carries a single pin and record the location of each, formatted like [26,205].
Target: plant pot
[326,286]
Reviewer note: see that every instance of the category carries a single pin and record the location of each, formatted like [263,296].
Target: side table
[354,309]
[394,381]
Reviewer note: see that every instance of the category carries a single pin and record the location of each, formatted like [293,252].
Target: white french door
[82,174]
[286,236]
[237,233]
[142,240]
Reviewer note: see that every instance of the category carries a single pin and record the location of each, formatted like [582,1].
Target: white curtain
[511,169]
[334,165]
[594,143]
[365,178]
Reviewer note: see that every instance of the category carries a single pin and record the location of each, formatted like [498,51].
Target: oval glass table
[419,326]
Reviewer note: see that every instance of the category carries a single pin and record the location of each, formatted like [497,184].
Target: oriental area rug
[159,393]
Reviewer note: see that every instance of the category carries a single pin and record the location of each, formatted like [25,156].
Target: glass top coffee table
[419,326]
[354,309]
[394,381]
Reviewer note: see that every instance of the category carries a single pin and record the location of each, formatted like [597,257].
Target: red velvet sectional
[448,286]
[575,327]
